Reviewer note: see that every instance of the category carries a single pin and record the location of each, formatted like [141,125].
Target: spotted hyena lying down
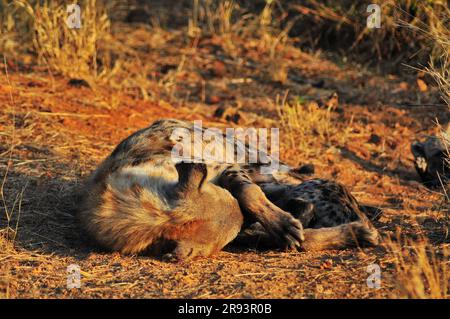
[139,201]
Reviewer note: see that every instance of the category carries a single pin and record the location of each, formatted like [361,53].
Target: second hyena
[139,200]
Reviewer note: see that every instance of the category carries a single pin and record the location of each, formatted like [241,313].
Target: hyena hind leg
[355,234]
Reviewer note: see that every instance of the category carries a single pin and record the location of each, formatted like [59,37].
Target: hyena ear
[191,176]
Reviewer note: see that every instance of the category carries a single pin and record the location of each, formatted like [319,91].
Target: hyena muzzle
[139,200]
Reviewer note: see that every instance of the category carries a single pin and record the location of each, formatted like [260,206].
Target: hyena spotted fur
[139,201]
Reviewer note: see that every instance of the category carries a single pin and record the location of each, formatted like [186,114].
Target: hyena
[140,201]
[432,160]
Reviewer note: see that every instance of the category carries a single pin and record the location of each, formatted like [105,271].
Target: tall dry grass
[232,21]
[421,269]
[15,27]
[9,210]
[307,126]
[73,52]
[223,17]
[439,64]
[341,25]
[439,68]
[91,53]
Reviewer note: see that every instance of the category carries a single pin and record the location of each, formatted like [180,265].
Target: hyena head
[432,162]
[204,197]
[209,205]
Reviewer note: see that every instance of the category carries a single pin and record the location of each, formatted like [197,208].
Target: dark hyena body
[432,160]
[139,200]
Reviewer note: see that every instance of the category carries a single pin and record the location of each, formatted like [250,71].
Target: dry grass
[421,270]
[15,27]
[444,136]
[223,17]
[73,52]
[439,65]
[441,74]
[90,53]
[12,210]
[232,23]
[438,34]
[307,126]
[340,25]
[8,41]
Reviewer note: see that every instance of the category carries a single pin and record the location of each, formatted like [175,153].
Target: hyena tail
[357,233]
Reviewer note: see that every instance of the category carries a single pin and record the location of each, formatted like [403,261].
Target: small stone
[423,87]
[219,69]
[374,139]
[78,83]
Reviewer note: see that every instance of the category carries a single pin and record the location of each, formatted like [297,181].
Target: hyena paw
[364,235]
[286,230]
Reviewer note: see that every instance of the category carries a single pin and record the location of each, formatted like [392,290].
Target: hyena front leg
[280,195]
[256,207]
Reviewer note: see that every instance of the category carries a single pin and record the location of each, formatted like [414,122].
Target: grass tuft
[421,270]
[305,123]
[70,51]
